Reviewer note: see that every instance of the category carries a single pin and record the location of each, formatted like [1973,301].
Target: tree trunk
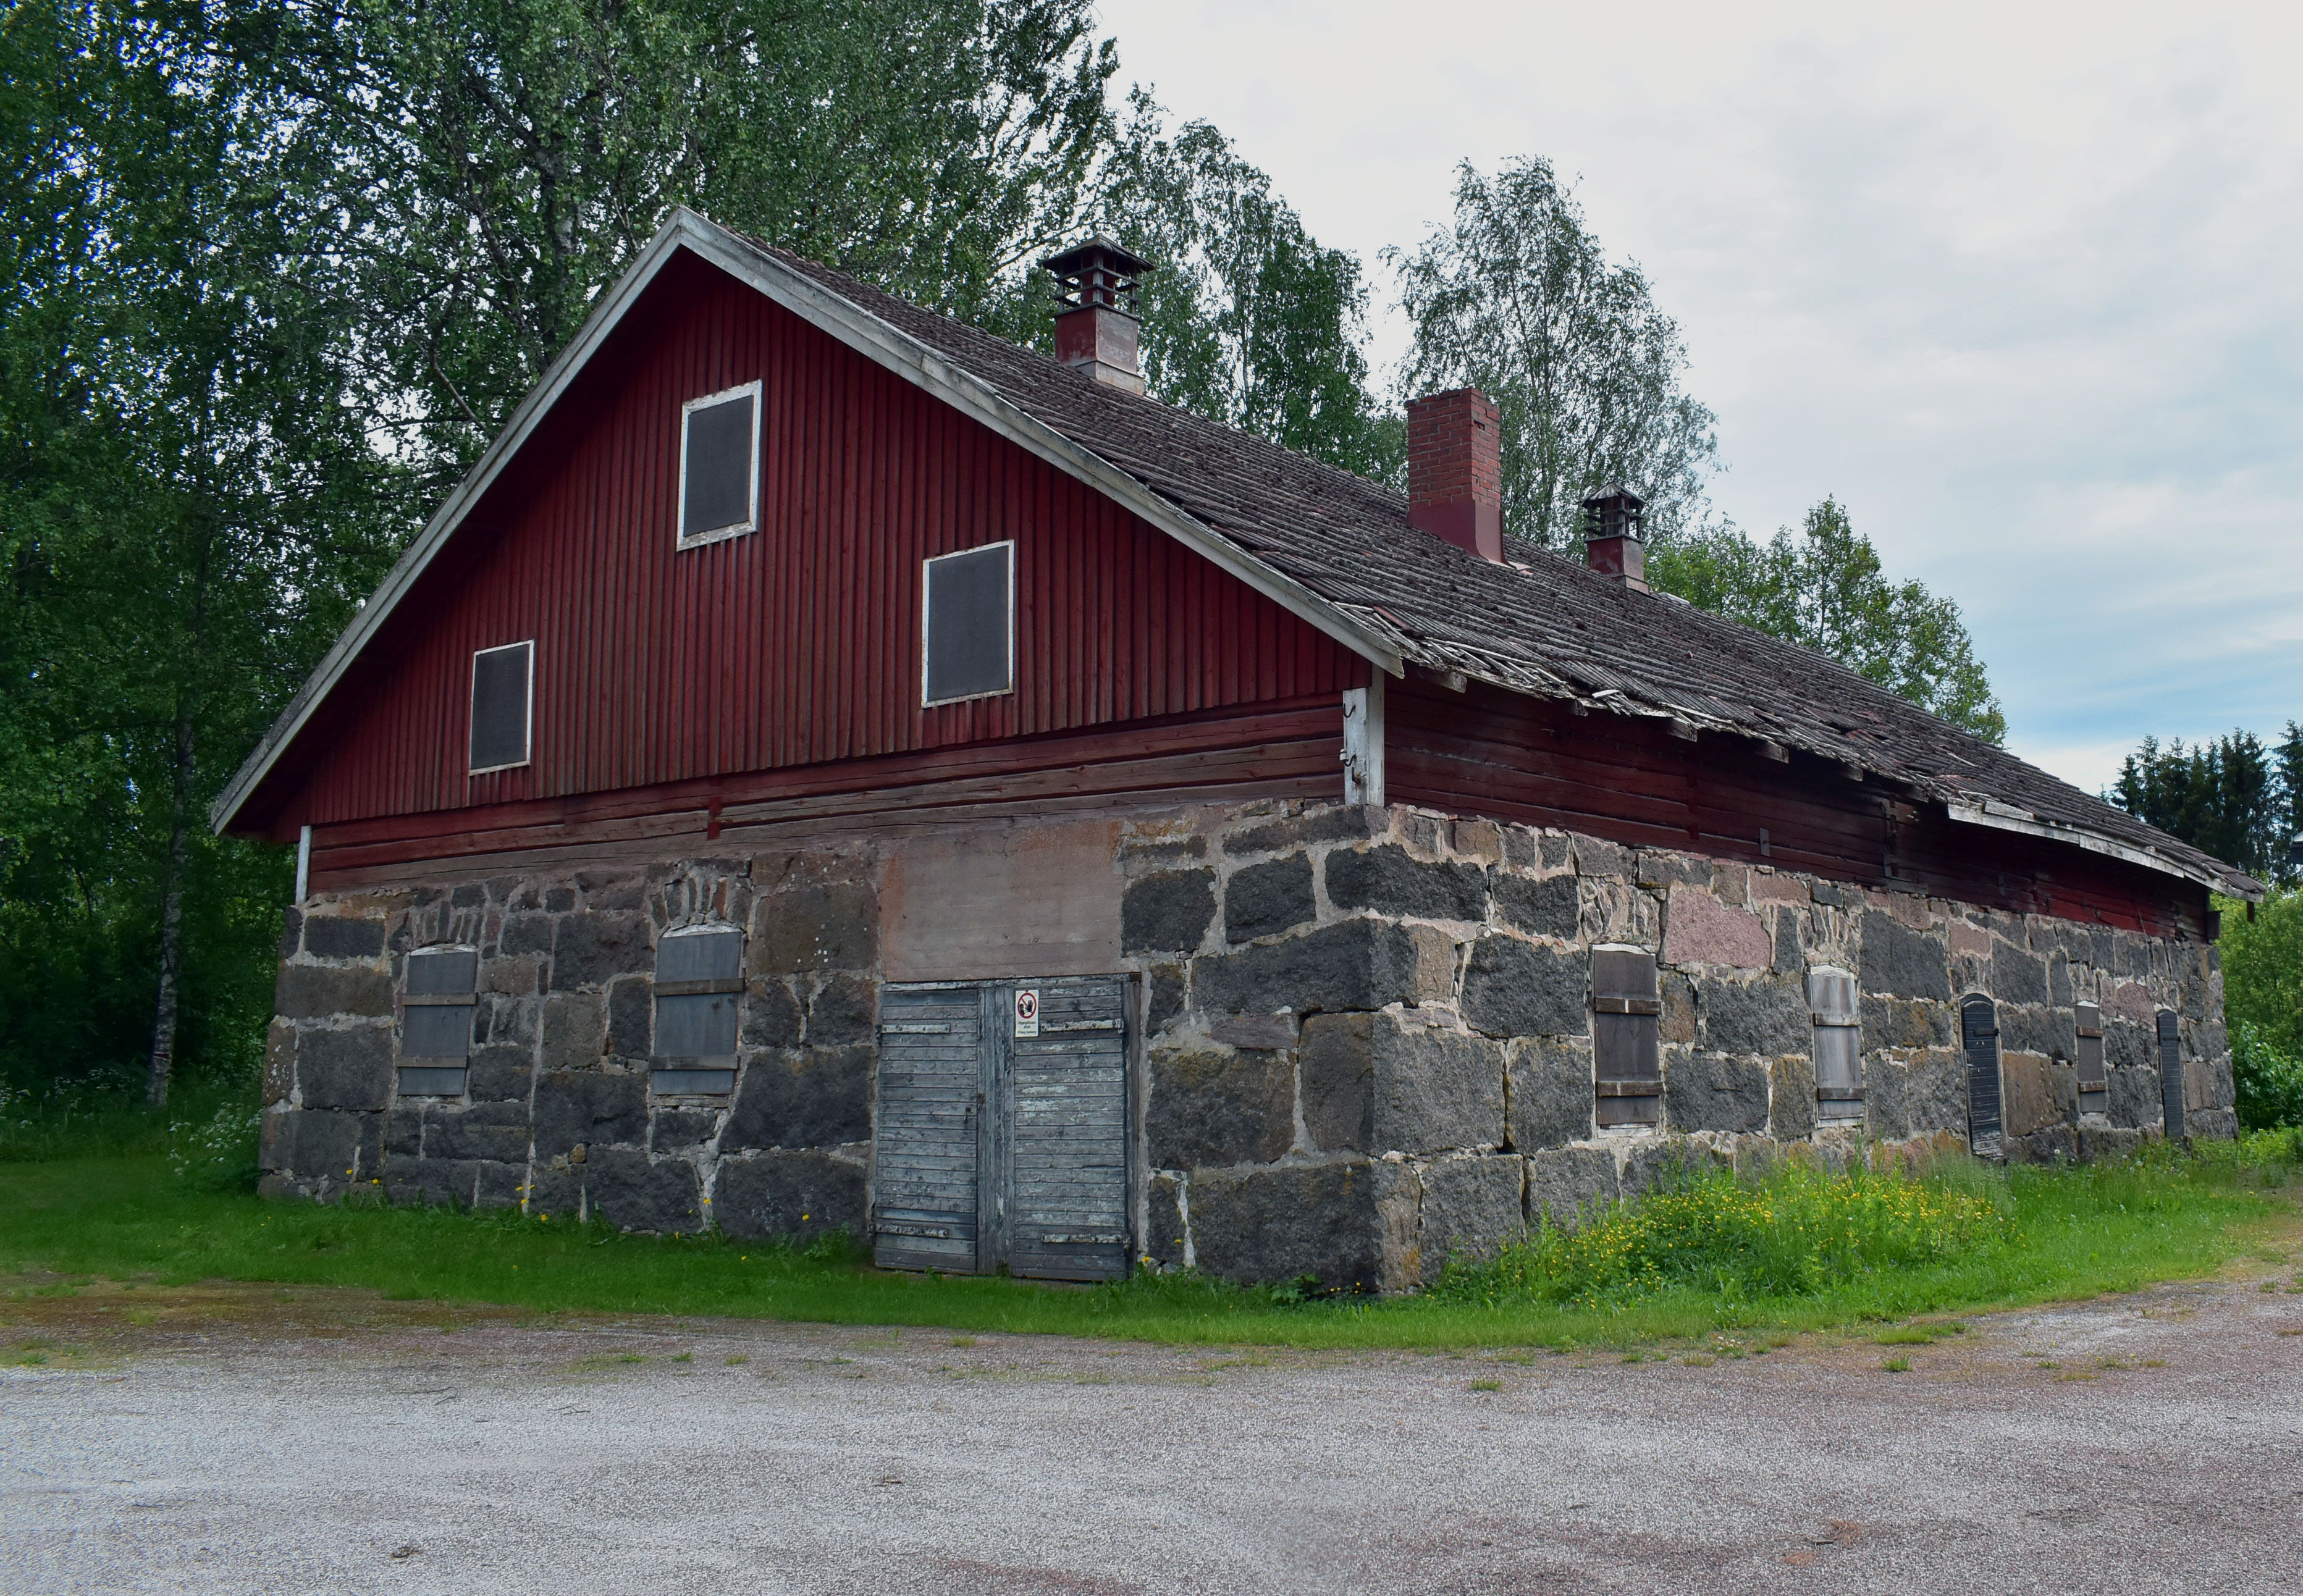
[172,915]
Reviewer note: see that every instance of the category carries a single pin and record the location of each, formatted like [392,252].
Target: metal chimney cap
[1100,250]
[1602,496]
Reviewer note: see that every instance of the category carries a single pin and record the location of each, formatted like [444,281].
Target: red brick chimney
[1611,537]
[1096,332]
[1455,470]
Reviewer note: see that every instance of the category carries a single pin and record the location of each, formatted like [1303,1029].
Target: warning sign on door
[1027,1011]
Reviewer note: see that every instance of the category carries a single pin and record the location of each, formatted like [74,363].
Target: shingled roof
[1549,628]
[1340,548]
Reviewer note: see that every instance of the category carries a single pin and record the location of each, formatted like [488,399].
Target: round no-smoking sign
[1027,1011]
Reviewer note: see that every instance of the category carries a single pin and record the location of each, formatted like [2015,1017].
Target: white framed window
[967,624]
[504,706]
[720,466]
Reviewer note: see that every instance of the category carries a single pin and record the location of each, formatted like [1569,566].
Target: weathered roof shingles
[1550,628]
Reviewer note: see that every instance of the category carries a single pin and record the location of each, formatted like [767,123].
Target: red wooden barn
[830,767]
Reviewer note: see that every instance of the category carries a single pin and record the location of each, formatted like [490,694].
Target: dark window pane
[967,624]
[432,970]
[443,1030]
[700,955]
[718,492]
[699,1025]
[432,1082]
[500,706]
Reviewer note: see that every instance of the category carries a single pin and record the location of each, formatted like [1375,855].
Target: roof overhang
[2006,817]
[868,335]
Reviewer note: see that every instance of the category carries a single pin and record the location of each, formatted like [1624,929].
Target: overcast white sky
[2023,284]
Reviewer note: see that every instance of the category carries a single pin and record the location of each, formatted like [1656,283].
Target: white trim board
[680,539]
[2001,817]
[927,616]
[861,331]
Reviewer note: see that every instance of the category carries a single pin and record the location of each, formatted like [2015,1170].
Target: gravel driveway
[241,1439]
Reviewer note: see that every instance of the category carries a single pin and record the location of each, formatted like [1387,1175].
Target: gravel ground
[247,1440]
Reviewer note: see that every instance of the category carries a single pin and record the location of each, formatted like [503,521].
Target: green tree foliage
[1515,296]
[186,507]
[2268,1083]
[1247,318]
[277,273]
[500,160]
[1824,588]
[2230,797]
[2263,1000]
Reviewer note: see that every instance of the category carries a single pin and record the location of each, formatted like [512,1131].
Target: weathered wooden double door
[999,1129]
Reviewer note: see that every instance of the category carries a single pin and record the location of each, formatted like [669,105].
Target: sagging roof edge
[2006,817]
[1976,811]
[860,331]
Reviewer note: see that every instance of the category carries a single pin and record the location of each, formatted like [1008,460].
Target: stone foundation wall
[558,1117]
[1365,1035]
[1370,1040]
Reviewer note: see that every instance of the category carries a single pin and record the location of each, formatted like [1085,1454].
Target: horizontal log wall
[1630,779]
[1286,751]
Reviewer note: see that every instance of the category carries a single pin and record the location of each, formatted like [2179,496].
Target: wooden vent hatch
[1626,1013]
[437,1001]
[2170,1074]
[1838,1044]
[1978,1030]
[2094,1081]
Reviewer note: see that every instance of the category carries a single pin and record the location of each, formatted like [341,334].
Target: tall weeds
[1788,1234]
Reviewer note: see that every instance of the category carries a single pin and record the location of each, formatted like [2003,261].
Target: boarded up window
[2171,1075]
[699,980]
[1838,1044]
[502,680]
[718,471]
[437,1003]
[1978,1026]
[2094,1083]
[1626,1050]
[968,624]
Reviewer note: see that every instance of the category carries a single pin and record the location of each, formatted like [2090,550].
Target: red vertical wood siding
[798,643]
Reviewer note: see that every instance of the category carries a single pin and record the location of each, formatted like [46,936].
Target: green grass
[2049,1235]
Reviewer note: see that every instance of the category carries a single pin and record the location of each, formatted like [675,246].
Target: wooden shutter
[1838,1047]
[502,679]
[2093,1082]
[2171,1075]
[925,1124]
[719,471]
[1978,1025]
[969,641]
[1626,1050]
[1066,1128]
[437,1002]
[699,980]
